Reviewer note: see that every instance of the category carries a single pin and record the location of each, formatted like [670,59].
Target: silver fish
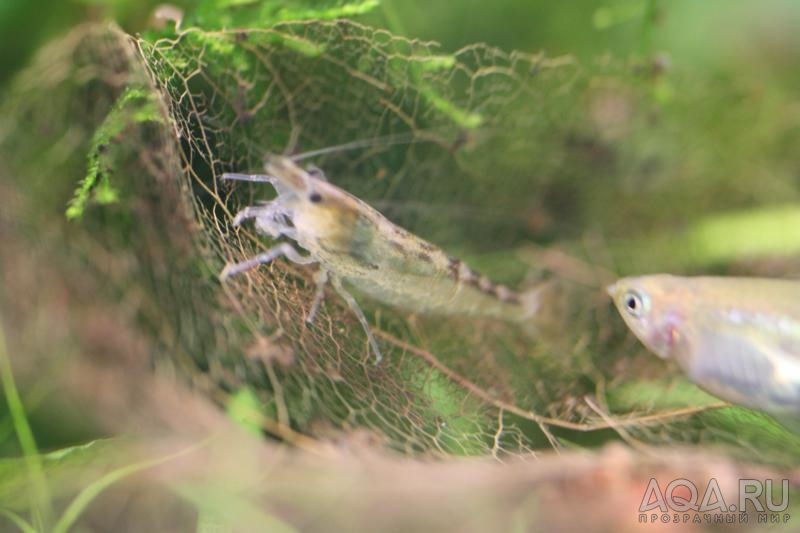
[737,338]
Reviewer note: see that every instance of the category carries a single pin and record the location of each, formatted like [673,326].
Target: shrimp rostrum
[355,246]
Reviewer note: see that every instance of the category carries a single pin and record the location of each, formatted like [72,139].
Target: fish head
[654,308]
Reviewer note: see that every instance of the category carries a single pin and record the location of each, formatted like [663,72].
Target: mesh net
[234,96]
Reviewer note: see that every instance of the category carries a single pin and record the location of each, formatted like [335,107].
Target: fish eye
[315,197]
[635,304]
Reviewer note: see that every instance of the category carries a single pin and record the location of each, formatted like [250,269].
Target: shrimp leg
[270,219]
[281,250]
[252,212]
[337,284]
[321,277]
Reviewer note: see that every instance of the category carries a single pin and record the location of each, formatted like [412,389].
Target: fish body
[737,338]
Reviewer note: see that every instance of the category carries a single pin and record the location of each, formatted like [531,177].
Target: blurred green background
[716,34]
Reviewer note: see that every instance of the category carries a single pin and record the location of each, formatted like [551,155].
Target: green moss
[134,106]
[211,14]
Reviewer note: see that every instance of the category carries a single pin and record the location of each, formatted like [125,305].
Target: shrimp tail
[546,309]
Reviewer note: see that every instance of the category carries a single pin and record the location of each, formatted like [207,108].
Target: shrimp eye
[316,172]
[634,303]
[315,197]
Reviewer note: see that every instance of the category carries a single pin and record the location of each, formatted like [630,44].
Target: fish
[737,338]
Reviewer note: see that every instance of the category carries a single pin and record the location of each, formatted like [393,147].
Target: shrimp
[354,244]
[737,338]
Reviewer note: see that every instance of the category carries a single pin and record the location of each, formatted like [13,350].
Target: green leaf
[221,509]
[244,408]
[36,485]
[63,469]
[18,521]
[88,494]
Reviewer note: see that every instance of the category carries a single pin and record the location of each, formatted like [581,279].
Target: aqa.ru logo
[712,503]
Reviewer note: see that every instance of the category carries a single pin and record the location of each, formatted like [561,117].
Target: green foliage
[245,409]
[466,120]
[36,483]
[18,521]
[460,422]
[647,393]
[134,106]
[15,473]
[82,472]
[766,232]
[213,14]
[85,497]
[610,15]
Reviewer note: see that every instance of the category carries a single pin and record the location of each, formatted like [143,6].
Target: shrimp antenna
[259,178]
[385,140]
[392,139]
[409,137]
